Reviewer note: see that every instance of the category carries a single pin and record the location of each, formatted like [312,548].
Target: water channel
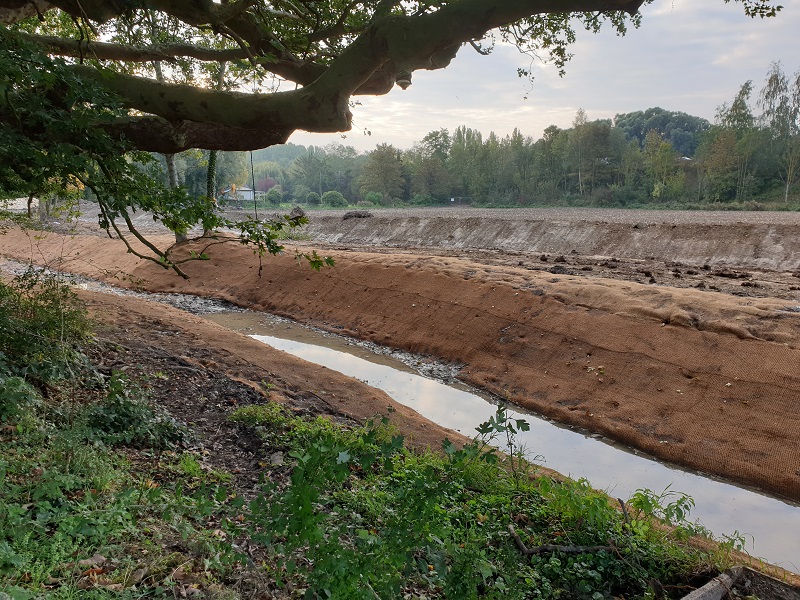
[771,526]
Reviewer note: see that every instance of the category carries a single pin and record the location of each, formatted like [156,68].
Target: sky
[689,55]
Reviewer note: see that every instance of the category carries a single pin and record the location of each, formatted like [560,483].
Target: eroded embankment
[685,375]
[742,240]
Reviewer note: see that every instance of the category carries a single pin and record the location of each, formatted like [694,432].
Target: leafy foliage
[55,132]
[42,328]
[78,519]
[124,417]
[365,517]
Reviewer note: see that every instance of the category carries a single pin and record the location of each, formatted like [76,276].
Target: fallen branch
[552,547]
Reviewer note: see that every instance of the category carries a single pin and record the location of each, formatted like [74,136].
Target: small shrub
[42,328]
[275,196]
[334,198]
[16,398]
[124,417]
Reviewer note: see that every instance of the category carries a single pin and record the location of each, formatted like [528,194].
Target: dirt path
[697,377]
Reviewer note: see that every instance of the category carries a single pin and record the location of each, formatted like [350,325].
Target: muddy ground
[694,358]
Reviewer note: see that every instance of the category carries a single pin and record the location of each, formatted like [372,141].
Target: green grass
[365,517]
[352,513]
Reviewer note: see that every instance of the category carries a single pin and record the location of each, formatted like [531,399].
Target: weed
[190,466]
[363,518]
[42,326]
[673,508]
[125,417]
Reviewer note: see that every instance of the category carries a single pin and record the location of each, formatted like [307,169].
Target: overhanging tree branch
[389,44]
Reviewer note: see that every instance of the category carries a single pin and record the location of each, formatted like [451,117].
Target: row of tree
[750,153]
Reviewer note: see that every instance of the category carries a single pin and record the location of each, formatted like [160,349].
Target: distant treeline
[654,158]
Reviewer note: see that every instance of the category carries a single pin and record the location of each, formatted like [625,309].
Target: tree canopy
[327,52]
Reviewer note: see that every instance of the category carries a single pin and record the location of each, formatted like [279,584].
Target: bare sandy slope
[716,239]
[699,378]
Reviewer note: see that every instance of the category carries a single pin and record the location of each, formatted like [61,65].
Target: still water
[772,527]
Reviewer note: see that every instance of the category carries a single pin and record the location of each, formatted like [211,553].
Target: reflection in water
[721,507]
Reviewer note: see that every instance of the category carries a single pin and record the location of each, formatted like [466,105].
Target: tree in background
[780,103]
[275,196]
[344,167]
[334,199]
[601,153]
[520,166]
[577,139]
[729,149]
[464,161]
[660,166]
[383,173]
[616,170]
[553,162]
[430,179]
[436,144]
[269,174]
[681,130]
[311,170]
[282,154]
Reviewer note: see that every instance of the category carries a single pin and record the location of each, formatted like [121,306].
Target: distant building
[246,193]
[237,193]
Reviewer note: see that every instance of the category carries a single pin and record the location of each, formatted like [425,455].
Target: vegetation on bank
[103,495]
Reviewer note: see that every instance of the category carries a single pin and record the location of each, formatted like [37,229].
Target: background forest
[747,159]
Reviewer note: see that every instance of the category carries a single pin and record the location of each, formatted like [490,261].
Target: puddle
[721,507]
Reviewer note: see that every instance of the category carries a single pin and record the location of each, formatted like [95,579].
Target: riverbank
[697,378]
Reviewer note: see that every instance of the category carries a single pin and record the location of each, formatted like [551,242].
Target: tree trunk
[173,183]
[211,173]
[45,206]
[791,167]
[211,182]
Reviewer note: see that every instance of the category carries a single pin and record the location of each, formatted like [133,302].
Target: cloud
[688,56]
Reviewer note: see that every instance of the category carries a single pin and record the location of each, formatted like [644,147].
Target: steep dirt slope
[761,240]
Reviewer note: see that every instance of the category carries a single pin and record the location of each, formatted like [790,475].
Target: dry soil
[687,350]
